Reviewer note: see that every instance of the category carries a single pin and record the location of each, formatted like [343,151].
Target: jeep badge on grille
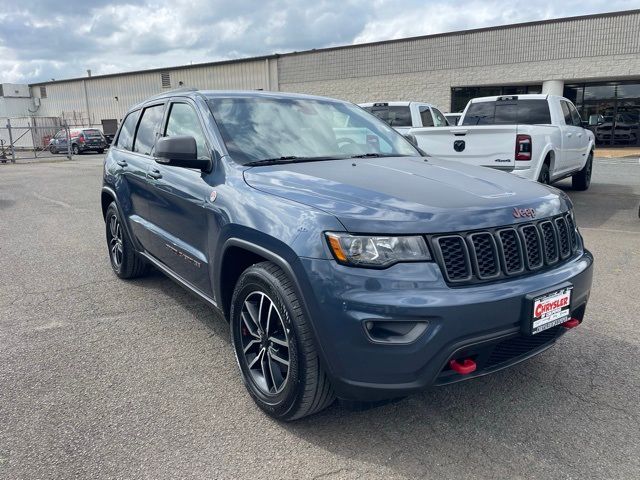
[524,212]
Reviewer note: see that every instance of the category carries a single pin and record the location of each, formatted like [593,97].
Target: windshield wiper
[376,155]
[287,159]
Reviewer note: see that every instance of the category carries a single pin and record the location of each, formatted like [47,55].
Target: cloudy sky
[44,39]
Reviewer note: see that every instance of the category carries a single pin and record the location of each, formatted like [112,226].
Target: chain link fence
[30,138]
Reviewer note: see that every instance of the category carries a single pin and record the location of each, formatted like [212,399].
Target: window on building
[148,129]
[165,78]
[183,120]
[43,91]
[125,137]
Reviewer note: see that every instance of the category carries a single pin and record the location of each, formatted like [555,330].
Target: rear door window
[575,116]
[566,113]
[508,112]
[438,118]
[396,116]
[148,129]
[426,117]
[125,137]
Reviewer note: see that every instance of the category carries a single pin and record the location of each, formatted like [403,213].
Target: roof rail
[175,90]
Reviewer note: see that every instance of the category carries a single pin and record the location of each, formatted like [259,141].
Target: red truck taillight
[523,147]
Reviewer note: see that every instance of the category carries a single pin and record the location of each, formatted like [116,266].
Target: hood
[408,194]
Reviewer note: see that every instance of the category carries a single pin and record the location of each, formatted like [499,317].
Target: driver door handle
[122,163]
[569,134]
[154,173]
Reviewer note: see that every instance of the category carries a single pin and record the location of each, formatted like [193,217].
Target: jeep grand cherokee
[348,264]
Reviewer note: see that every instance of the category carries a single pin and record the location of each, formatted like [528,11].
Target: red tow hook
[463,367]
[573,323]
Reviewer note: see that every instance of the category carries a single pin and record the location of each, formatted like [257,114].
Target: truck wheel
[582,179]
[544,176]
[125,261]
[274,345]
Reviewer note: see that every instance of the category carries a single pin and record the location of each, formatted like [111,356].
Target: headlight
[368,251]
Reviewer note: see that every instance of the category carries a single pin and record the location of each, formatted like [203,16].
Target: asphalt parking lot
[101,378]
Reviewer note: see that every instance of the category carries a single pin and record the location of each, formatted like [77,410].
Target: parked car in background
[453,118]
[403,116]
[539,137]
[82,140]
[350,267]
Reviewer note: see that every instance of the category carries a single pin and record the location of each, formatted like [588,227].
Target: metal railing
[30,138]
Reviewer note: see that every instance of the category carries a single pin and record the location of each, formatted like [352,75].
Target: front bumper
[481,319]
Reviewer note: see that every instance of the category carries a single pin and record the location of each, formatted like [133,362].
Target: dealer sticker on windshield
[551,309]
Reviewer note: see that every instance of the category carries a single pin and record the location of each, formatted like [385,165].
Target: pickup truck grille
[504,252]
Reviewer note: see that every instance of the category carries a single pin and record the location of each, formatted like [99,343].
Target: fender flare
[289,270]
[548,148]
[114,196]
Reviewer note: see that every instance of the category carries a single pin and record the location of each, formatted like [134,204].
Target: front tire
[274,345]
[582,179]
[53,150]
[75,150]
[125,261]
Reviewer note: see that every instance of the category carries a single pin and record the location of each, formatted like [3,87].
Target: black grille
[480,256]
[532,246]
[573,236]
[514,347]
[511,251]
[563,237]
[483,249]
[455,257]
[550,242]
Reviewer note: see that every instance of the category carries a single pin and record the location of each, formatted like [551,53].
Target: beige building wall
[580,49]
[593,48]
[89,100]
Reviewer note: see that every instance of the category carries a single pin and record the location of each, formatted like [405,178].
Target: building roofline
[351,46]
[619,13]
[159,69]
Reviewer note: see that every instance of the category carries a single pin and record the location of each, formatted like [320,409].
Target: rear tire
[582,180]
[53,150]
[545,176]
[125,261]
[268,330]
[101,151]
[75,150]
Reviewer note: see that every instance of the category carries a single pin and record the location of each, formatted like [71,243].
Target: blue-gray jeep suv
[348,263]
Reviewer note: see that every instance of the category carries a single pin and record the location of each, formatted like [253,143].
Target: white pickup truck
[539,137]
[403,116]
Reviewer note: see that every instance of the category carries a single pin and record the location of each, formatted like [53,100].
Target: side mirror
[595,120]
[180,151]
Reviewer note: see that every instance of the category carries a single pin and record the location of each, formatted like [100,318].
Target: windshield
[262,128]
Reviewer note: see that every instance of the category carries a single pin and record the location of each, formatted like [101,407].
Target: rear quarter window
[523,112]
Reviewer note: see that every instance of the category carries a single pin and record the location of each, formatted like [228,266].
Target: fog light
[395,331]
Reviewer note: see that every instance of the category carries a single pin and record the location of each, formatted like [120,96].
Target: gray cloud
[40,40]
